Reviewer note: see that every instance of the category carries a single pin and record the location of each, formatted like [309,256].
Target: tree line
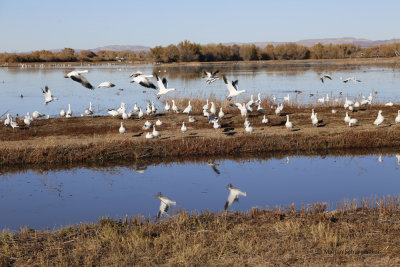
[187,51]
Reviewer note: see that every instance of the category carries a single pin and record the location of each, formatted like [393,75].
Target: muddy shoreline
[96,139]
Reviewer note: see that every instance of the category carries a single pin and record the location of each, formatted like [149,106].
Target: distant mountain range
[326,41]
[307,42]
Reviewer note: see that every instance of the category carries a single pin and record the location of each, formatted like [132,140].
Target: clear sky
[27,25]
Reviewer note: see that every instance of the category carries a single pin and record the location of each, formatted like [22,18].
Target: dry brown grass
[360,234]
[97,139]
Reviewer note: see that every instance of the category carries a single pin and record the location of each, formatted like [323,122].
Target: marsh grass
[357,233]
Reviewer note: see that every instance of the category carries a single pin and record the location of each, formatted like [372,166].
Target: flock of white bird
[209,109]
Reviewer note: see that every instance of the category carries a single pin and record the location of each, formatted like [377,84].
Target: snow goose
[153,108]
[36,115]
[242,108]
[192,119]
[323,77]
[113,112]
[232,88]
[389,104]
[352,122]
[370,97]
[398,158]
[249,128]
[211,76]
[260,109]
[122,128]
[69,112]
[183,128]
[167,106]
[213,110]
[62,113]
[78,77]
[216,124]
[279,109]
[206,106]
[124,116]
[206,113]
[286,98]
[135,108]
[106,85]
[347,118]
[89,111]
[48,97]
[351,79]
[312,114]
[27,119]
[379,119]
[122,108]
[140,114]
[288,124]
[13,124]
[147,125]
[321,100]
[348,103]
[334,111]
[148,109]
[162,86]
[351,108]
[149,135]
[264,120]
[7,121]
[246,122]
[258,101]
[356,104]
[315,120]
[188,109]
[165,203]
[143,80]
[234,194]
[155,132]
[174,107]
[221,114]
[159,123]
[397,120]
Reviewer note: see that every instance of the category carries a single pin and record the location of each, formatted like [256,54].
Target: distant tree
[189,51]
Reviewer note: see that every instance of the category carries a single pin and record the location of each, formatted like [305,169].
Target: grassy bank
[364,233]
[96,139]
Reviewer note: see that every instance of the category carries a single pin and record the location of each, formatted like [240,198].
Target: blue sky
[44,24]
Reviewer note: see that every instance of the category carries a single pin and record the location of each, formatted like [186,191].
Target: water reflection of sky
[266,79]
[54,198]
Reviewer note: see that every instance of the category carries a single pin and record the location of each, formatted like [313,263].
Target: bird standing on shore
[288,124]
[122,128]
[379,119]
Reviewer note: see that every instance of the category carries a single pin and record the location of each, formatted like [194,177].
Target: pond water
[268,79]
[50,199]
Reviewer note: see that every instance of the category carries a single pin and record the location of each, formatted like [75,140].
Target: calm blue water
[268,80]
[55,198]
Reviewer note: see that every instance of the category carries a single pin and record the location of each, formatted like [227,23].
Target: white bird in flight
[163,86]
[165,203]
[48,97]
[232,88]
[234,194]
[143,80]
[77,76]
[106,84]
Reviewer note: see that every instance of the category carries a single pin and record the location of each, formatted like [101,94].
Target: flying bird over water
[164,205]
[106,84]
[234,194]
[77,76]
[143,80]
[213,166]
[351,79]
[163,86]
[211,76]
[326,76]
[48,97]
[232,88]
